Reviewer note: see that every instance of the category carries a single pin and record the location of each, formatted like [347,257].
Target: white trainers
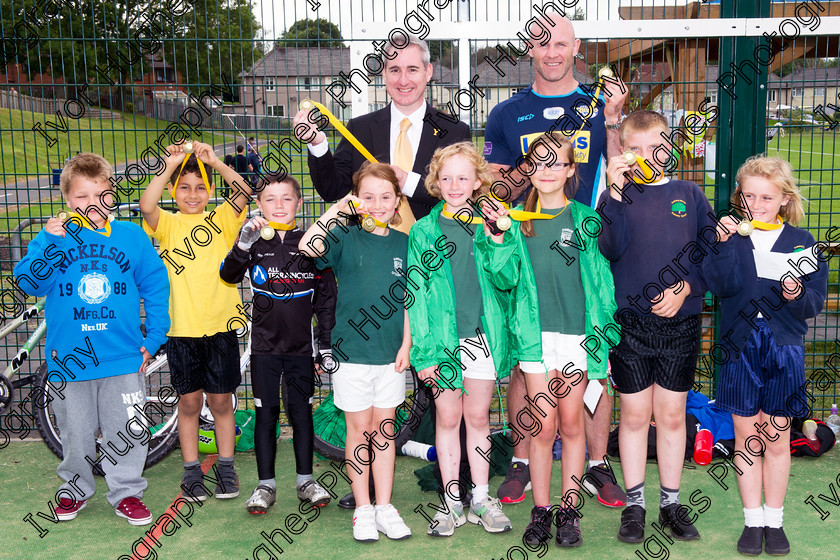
[389,522]
[364,524]
[444,523]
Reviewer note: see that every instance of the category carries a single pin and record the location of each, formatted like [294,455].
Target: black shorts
[209,363]
[653,349]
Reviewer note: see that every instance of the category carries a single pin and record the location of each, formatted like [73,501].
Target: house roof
[812,77]
[301,61]
[517,74]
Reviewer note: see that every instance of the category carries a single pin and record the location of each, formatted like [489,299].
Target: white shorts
[559,350]
[479,365]
[357,387]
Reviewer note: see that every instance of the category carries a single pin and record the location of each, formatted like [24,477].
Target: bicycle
[161,400]
[161,410]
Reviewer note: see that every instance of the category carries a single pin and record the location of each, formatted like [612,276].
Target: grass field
[25,152]
[223,529]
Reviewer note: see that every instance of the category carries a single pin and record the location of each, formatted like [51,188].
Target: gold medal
[306,105]
[606,72]
[745,228]
[267,233]
[504,223]
[629,157]
[188,147]
[63,215]
[368,224]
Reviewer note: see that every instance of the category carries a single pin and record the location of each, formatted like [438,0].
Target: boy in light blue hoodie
[94,272]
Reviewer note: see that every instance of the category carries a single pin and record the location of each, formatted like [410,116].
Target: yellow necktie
[403,154]
[404,159]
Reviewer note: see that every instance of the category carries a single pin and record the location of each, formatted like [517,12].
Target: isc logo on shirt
[581,140]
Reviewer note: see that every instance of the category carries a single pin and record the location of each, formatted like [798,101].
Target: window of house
[798,91]
[308,83]
[276,110]
[773,95]
[269,84]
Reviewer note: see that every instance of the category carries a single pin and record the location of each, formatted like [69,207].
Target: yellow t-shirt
[193,247]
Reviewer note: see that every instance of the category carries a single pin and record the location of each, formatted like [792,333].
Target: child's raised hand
[616,168]
[205,153]
[176,155]
[792,288]
[492,210]
[55,227]
[343,205]
[671,300]
[727,226]
[250,232]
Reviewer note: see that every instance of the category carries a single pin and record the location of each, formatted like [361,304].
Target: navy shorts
[209,363]
[653,349]
[765,377]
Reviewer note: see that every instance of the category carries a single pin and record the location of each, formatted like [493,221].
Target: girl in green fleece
[473,313]
[576,303]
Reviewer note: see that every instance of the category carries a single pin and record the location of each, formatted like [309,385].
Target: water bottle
[809,429]
[833,421]
[419,450]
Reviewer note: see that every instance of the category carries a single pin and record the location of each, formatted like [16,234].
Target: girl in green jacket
[462,284]
[576,301]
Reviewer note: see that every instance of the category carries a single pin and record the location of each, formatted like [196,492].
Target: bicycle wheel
[160,413]
[330,429]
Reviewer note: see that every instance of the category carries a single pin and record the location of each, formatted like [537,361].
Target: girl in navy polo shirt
[771,279]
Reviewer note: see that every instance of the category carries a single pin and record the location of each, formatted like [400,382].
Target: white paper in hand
[592,394]
[775,266]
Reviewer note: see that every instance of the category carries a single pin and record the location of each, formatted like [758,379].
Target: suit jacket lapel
[380,135]
[428,142]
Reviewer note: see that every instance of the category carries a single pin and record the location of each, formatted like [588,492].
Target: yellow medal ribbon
[555,215]
[67,216]
[308,104]
[200,168]
[284,227]
[764,226]
[466,219]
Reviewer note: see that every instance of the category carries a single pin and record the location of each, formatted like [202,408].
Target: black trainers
[750,541]
[517,482]
[775,541]
[192,485]
[227,485]
[676,518]
[632,528]
[600,480]
[538,530]
[568,528]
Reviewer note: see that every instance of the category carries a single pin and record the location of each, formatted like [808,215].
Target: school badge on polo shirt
[398,266]
[678,208]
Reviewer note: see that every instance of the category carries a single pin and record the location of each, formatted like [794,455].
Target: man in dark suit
[405,76]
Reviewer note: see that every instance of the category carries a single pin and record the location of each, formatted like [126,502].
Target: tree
[312,33]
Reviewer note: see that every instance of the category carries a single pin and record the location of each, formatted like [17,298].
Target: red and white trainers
[134,511]
[68,508]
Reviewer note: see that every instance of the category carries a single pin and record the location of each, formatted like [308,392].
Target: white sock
[360,508]
[595,462]
[773,516]
[377,507]
[754,517]
[516,459]
[480,492]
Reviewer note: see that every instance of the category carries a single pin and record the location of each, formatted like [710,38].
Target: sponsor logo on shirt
[524,118]
[585,112]
[581,142]
[553,113]
[94,288]
[678,208]
[488,148]
[258,275]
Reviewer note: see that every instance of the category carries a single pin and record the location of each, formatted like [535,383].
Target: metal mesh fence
[124,80]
